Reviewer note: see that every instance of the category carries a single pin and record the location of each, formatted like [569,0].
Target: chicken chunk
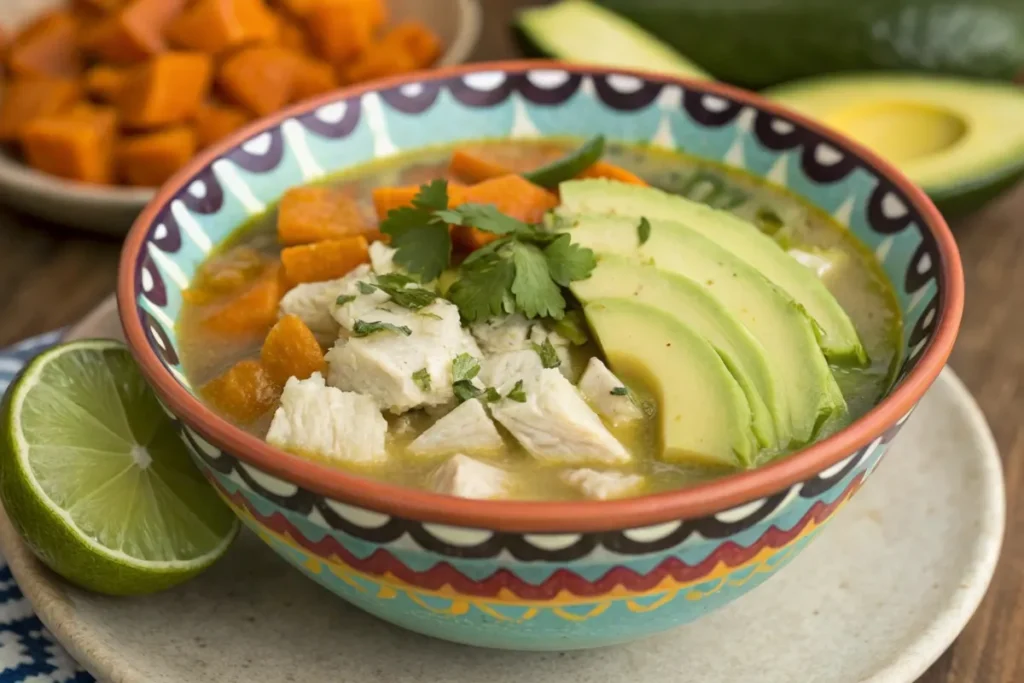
[465,477]
[382,258]
[407,365]
[328,424]
[602,485]
[516,333]
[313,302]
[607,394]
[547,415]
[466,429]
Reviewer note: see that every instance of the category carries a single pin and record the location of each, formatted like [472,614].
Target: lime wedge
[96,479]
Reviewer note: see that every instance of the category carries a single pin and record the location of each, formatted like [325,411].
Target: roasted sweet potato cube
[77,145]
[260,78]
[377,61]
[513,195]
[338,32]
[47,47]
[386,199]
[312,77]
[133,33]
[375,11]
[416,40]
[472,167]
[291,350]
[244,392]
[292,36]
[326,260]
[216,25]
[225,274]
[148,160]
[27,99]
[166,90]
[249,312]
[315,213]
[214,121]
[104,83]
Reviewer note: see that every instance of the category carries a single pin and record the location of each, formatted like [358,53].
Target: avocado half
[961,141]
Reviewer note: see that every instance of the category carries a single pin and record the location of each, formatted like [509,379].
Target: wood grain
[50,277]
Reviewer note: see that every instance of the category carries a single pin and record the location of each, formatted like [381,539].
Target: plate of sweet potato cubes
[103,100]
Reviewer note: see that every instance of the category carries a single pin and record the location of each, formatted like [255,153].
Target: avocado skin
[759,44]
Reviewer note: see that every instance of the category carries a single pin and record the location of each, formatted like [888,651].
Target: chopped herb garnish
[422,379]
[464,367]
[548,355]
[492,395]
[419,236]
[395,280]
[517,394]
[643,231]
[572,327]
[465,390]
[568,262]
[428,314]
[365,287]
[620,391]
[363,328]
[413,298]
[344,299]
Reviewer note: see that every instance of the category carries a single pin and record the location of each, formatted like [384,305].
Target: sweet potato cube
[166,90]
[291,350]
[416,40]
[226,274]
[215,121]
[292,36]
[95,7]
[385,199]
[338,32]
[312,77]
[249,312]
[375,11]
[316,213]
[326,260]
[216,25]
[27,99]
[77,145]
[603,169]
[48,47]
[474,168]
[244,392]
[378,61]
[148,160]
[260,78]
[104,83]
[132,34]
[511,194]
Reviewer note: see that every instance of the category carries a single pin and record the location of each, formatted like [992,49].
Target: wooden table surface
[51,276]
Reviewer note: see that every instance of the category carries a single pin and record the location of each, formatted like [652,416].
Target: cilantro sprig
[364,328]
[523,270]
[548,354]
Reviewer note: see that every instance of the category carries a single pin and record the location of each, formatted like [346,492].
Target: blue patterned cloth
[28,653]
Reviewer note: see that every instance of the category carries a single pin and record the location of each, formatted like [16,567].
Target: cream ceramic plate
[877,598]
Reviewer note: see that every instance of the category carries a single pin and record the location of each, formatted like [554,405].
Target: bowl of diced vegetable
[103,101]
[484,352]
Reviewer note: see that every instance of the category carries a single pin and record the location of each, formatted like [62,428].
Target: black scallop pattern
[709,109]
[539,94]
[814,487]
[924,264]
[398,98]
[212,195]
[167,240]
[157,292]
[264,161]
[472,97]
[780,134]
[334,130]
[626,100]
[882,212]
[158,339]
[822,162]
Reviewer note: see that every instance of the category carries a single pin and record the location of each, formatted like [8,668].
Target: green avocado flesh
[961,141]
[580,31]
[704,415]
[837,335]
[686,301]
[806,394]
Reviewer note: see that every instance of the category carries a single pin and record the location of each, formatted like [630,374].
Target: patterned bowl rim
[582,516]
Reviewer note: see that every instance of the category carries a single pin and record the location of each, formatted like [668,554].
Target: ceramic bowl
[111,209]
[532,575]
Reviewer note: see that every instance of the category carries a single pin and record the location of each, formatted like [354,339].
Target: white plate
[877,598]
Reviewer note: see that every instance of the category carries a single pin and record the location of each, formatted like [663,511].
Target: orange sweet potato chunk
[473,168]
[148,160]
[291,350]
[250,311]
[325,260]
[375,11]
[226,274]
[244,392]
[104,83]
[416,40]
[216,25]
[132,34]
[316,213]
[166,90]
[47,47]
[603,169]
[378,60]
[215,121]
[292,36]
[312,77]
[27,99]
[77,145]
[338,31]
[385,199]
[514,196]
[260,78]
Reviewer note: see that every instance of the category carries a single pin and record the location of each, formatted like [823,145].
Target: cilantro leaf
[486,217]
[345,298]
[433,196]
[572,327]
[424,249]
[365,287]
[395,280]
[413,298]
[491,395]
[536,294]
[483,289]
[548,355]
[489,248]
[363,328]
[619,391]
[464,367]
[567,261]
[422,379]
[643,231]
[465,390]
[517,394]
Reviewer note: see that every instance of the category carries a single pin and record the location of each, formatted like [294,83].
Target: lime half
[96,479]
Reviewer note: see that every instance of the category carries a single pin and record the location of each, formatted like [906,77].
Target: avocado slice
[580,31]
[837,335]
[961,141]
[704,416]
[685,300]
[807,391]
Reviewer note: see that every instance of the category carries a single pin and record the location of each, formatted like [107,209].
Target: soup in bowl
[537,356]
